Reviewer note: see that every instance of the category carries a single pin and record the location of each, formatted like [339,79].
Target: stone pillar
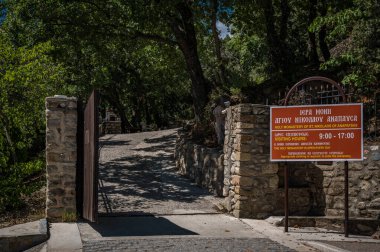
[229,138]
[253,181]
[61,156]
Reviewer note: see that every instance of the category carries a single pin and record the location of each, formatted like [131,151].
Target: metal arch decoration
[294,89]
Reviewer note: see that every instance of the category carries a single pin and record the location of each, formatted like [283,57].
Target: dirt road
[138,177]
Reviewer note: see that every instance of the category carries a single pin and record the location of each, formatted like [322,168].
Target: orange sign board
[316,133]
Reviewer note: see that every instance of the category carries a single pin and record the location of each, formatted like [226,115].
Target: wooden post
[346,199]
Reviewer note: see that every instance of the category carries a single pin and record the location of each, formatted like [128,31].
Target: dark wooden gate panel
[90,159]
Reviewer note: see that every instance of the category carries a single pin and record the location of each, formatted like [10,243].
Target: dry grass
[33,210]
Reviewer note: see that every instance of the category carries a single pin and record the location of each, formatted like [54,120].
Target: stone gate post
[251,180]
[61,156]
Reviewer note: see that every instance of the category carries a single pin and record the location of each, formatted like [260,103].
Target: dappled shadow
[147,181]
[114,143]
[138,226]
[161,139]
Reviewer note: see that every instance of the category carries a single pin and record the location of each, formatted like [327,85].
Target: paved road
[138,177]
[156,208]
[199,232]
[188,244]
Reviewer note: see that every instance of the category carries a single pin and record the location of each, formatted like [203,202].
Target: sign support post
[317,133]
[286,185]
[346,221]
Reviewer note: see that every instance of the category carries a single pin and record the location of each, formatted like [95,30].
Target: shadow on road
[113,143]
[138,226]
[143,178]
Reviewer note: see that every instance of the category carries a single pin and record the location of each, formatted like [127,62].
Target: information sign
[316,133]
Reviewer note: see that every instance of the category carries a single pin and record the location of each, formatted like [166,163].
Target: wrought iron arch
[313,94]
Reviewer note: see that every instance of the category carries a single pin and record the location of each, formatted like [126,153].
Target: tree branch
[155,37]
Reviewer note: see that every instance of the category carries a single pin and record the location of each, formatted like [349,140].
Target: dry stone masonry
[61,156]
[364,185]
[250,180]
[254,186]
[201,164]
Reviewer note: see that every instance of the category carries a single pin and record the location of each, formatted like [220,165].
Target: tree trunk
[125,124]
[276,42]
[11,145]
[285,53]
[114,101]
[312,40]
[322,34]
[8,138]
[221,69]
[285,13]
[184,32]
[278,50]
[148,117]
[272,37]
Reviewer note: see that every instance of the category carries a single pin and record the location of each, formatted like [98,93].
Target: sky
[223,29]
[2,14]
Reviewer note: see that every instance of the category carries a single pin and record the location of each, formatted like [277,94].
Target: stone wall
[61,156]
[326,182]
[201,164]
[253,186]
[364,185]
[251,181]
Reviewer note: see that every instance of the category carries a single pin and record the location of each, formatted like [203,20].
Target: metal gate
[90,159]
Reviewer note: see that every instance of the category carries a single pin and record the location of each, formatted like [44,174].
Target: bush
[21,179]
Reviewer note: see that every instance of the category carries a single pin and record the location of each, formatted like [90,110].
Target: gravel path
[137,176]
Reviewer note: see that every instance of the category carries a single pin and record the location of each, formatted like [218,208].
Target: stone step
[23,236]
[64,237]
[357,226]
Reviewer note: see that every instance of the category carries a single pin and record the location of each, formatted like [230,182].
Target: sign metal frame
[286,170]
[321,130]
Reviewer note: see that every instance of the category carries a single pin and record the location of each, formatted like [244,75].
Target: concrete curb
[324,247]
[64,237]
[23,236]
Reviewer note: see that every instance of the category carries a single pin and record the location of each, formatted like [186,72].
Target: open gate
[90,158]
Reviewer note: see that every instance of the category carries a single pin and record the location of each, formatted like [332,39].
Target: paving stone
[186,244]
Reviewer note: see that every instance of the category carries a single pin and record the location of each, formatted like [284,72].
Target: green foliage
[20,179]
[247,59]
[27,76]
[69,217]
[354,31]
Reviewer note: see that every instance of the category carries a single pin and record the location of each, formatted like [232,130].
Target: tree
[353,30]
[27,76]
[215,33]
[169,23]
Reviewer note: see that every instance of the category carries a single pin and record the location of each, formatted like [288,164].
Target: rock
[275,220]
[336,189]
[367,177]
[365,185]
[374,204]
[361,205]
[365,195]
[364,228]
[376,235]
[376,156]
